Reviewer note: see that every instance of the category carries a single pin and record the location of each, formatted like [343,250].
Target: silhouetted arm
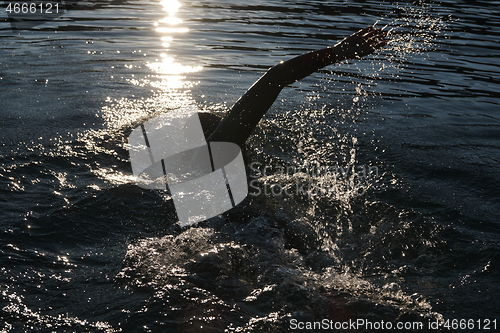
[244,116]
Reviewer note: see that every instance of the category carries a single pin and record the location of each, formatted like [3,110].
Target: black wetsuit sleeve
[244,116]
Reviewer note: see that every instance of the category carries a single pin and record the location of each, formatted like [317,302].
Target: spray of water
[352,238]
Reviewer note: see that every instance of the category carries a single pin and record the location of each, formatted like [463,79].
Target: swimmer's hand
[361,43]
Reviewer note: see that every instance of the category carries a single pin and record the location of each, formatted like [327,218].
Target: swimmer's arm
[356,46]
[243,117]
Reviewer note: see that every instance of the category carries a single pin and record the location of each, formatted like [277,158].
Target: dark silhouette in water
[239,122]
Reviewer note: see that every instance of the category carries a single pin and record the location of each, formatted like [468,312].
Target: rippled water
[404,229]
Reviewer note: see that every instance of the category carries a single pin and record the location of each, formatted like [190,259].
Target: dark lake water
[406,229]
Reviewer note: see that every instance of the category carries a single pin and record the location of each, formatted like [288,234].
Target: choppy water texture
[403,226]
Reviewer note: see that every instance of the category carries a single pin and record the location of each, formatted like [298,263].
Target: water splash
[17,312]
[364,237]
[413,29]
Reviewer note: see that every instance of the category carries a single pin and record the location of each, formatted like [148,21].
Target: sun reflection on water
[169,66]
[170,70]
[171,6]
[170,90]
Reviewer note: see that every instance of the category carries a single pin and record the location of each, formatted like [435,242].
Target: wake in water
[312,241]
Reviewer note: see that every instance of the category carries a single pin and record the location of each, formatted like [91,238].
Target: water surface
[414,238]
